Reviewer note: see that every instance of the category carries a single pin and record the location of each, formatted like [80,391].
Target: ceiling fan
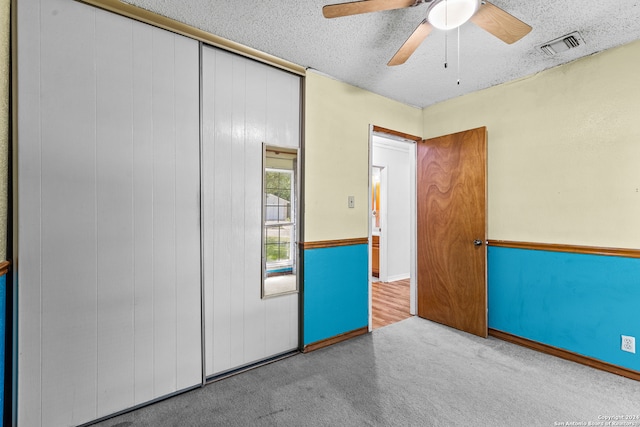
[441,14]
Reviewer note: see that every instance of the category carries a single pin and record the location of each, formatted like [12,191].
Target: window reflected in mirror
[279,221]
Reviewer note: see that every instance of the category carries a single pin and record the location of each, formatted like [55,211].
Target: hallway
[390,302]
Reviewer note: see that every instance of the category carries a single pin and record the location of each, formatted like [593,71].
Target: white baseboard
[398,277]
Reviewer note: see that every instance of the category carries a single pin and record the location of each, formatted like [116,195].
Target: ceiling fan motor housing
[450,14]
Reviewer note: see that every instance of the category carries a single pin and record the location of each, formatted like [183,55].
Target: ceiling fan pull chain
[445,50]
[446,16]
[458,56]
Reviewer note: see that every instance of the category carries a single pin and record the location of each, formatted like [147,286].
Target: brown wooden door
[451,203]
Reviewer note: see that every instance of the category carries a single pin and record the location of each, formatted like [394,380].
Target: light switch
[352,202]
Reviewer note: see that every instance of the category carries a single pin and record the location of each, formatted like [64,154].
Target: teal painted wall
[335,291]
[581,303]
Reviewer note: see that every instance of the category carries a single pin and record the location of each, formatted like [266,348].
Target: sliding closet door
[245,104]
[108,264]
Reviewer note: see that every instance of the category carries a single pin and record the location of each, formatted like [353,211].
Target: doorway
[457,161]
[392,223]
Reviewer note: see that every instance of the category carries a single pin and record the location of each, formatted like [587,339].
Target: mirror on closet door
[279,224]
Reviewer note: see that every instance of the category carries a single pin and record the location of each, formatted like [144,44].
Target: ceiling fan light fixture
[450,14]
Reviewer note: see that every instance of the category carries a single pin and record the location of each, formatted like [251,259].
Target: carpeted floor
[412,373]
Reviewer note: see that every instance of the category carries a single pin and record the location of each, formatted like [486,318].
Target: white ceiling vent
[562,43]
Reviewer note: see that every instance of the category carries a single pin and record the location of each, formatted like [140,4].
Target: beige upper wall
[563,150]
[337,119]
[4,120]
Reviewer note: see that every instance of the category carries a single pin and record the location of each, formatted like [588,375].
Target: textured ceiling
[355,49]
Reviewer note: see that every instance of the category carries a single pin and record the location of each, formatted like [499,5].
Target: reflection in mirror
[375,199]
[279,212]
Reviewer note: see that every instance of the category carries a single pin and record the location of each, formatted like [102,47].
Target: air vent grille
[571,41]
[561,44]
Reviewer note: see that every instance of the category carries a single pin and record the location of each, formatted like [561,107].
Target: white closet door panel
[294,322]
[289,334]
[69,244]
[114,191]
[238,213]
[254,318]
[143,214]
[108,261]
[187,96]
[236,121]
[279,328]
[222,214]
[283,116]
[29,284]
[208,202]
[294,101]
[164,212]
[256,114]
[283,128]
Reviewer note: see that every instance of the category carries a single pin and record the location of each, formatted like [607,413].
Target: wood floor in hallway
[390,302]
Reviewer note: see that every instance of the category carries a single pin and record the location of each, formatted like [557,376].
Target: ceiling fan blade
[501,24]
[412,43]
[366,6]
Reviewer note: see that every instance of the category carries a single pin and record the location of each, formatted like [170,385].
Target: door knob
[477,242]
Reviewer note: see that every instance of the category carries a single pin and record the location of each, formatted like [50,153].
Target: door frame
[413,140]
